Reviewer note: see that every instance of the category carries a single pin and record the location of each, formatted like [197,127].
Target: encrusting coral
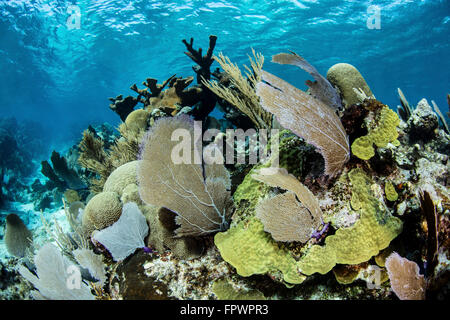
[385,132]
[373,232]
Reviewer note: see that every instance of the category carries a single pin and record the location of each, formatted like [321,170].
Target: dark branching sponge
[17,236]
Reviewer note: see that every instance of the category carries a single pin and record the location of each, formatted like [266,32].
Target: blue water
[63,77]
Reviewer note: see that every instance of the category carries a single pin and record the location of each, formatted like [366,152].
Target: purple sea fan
[307,117]
[196,191]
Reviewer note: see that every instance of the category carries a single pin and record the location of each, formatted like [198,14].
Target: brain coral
[346,77]
[101,211]
[137,120]
[121,177]
[17,237]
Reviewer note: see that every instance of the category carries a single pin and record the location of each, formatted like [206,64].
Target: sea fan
[126,235]
[308,118]
[196,191]
[285,218]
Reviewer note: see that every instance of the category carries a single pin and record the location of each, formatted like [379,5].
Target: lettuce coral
[381,135]
[358,243]
[252,251]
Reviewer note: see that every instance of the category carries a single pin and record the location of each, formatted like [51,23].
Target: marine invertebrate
[91,261]
[137,120]
[101,211]
[384,132]
[308,118]
[241,90]
[225,291]
[196,191]
[123,106]
[252,251]
[125,235]
[321,89]
[54,272]
[346,77]
[94,158]
[121,177]
[404,111]
[60,173]
[373,232]
[441,117]
[405,279]
[390,192]
[18,239]
[282,215]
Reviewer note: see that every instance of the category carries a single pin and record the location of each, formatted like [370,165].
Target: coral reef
[168,219]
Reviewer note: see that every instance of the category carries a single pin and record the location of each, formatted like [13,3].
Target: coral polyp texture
[344,199]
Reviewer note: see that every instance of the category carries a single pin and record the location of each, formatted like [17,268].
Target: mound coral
[121,177]
[101,211]
[346,77]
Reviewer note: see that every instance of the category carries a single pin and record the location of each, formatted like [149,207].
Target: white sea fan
[126,235]
[54,271]
[91,261]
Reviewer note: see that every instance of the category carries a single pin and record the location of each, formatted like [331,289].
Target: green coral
[390,192]
[225,291]
[252,251]
[381,135]
[248,194]
[373,232]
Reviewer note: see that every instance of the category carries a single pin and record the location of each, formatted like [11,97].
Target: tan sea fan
[308,118]
[197,193]
[283,216]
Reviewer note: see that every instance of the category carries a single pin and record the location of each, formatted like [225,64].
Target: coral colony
[319,194]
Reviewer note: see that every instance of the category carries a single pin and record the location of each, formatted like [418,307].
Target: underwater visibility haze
[231,150]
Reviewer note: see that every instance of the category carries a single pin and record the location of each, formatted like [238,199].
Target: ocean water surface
[62,76]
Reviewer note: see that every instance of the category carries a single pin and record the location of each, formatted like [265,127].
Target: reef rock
[422,123]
